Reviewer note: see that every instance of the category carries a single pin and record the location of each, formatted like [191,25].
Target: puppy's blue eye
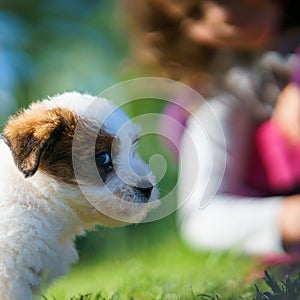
[103,160]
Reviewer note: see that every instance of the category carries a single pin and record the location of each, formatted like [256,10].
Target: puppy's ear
[29,134]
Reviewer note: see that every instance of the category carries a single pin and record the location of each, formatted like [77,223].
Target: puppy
[67,163]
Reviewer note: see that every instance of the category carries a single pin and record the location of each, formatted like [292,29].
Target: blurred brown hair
[158,39]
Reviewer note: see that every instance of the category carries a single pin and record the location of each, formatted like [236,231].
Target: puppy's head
[87,146]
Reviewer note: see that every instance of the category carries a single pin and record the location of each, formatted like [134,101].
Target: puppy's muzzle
[144,190]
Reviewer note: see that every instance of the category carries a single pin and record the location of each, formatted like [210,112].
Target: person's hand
[286,113]
[290,220]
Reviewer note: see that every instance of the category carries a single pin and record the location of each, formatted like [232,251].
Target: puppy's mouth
[143,194]
[136,194]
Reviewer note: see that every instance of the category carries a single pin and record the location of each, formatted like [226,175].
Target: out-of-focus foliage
[47,47]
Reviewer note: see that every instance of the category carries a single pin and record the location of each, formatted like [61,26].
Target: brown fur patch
[90,141]
[35,135]
[57,157]
[43,139]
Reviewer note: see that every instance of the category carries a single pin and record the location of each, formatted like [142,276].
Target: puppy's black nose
[145,189]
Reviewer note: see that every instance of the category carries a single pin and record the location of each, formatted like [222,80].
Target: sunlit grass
[164,269]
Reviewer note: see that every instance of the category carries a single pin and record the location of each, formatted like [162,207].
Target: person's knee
[201,231]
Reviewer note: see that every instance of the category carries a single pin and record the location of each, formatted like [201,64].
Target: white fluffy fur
[40,217]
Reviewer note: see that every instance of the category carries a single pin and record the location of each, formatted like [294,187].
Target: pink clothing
[277,165]
[219,209]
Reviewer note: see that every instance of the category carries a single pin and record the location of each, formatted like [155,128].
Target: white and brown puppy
[66,163]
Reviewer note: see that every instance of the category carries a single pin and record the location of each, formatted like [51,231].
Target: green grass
[140,263]
[150,261]
[287,289]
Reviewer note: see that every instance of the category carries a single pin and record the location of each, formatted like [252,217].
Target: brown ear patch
[33,135]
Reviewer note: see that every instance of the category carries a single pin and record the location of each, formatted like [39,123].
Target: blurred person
[240,55]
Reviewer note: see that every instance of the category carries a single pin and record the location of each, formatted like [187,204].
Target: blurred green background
[49,47]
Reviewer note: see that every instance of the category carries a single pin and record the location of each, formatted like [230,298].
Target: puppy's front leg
[15,289]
